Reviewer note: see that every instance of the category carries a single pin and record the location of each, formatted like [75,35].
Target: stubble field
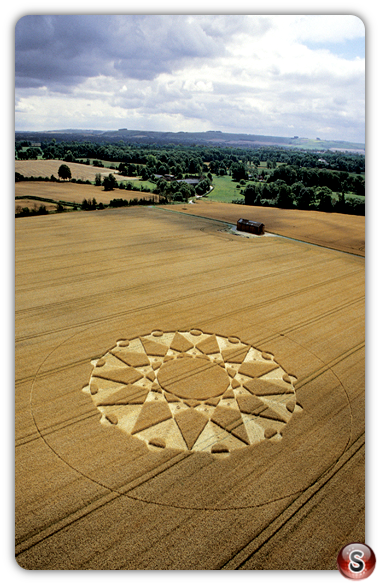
[72,192]
[185,398]
[46,168]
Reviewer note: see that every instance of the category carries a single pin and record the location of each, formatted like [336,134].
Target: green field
[225,189]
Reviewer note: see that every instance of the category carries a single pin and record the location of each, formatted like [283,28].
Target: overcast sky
[276,75]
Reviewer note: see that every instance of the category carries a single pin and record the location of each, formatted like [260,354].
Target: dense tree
[305,198]
[284,196]
[163,169]
[340,172]
[109,183]
[238,171]
[69,157]
[203,186]
[145,174]
[195,165]
[186,191]
[252,194]
[285,173]
[25,211]
[88,204]
[324,194]
[64,172]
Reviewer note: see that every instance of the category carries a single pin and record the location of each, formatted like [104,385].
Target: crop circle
[192,391]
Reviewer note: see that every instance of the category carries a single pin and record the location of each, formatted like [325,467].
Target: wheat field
[46,168]
[332,230]
[72,192]
[187,398]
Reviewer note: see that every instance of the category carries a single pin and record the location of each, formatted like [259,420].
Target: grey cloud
[162,44]
[56,49]
[60,34]
[33,32]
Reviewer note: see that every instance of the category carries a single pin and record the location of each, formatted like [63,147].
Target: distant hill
[211,138]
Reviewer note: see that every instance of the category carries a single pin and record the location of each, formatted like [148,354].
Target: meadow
[111,472]
[224,190]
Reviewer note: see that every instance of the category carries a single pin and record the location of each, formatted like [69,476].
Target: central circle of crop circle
[193,378]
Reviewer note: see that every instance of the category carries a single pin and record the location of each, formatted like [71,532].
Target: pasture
[187,398]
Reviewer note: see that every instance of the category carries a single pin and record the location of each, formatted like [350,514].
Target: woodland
[265,176]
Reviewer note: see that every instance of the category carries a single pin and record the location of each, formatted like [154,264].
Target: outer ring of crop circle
[38,401]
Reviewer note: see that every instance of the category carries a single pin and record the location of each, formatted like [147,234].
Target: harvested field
[73,192]
[332,230]
[185,398]
[32,203]
[46,168]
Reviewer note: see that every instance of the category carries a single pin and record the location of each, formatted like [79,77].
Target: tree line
[26,211]
[336,181]
[297,195]
[176,159]
[276,176]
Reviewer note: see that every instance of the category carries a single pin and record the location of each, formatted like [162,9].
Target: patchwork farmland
[188,398]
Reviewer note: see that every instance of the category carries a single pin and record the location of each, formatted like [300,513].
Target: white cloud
[254,74]
[321,28]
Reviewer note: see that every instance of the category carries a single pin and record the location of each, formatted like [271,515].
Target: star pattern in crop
[192,391]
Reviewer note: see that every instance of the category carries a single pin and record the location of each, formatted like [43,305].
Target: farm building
[253,227]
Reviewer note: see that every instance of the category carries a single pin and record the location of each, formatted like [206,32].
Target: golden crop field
[187,398]
[33,204]
[333,230]
[46,168]
[73,192]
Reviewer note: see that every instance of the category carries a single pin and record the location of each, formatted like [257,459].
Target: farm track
[266,303]
[94,273]
[90,497]
[305,500]
[244,554]
[305,323]
[301,500]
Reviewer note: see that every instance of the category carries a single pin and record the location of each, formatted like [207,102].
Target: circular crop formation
[192,391]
